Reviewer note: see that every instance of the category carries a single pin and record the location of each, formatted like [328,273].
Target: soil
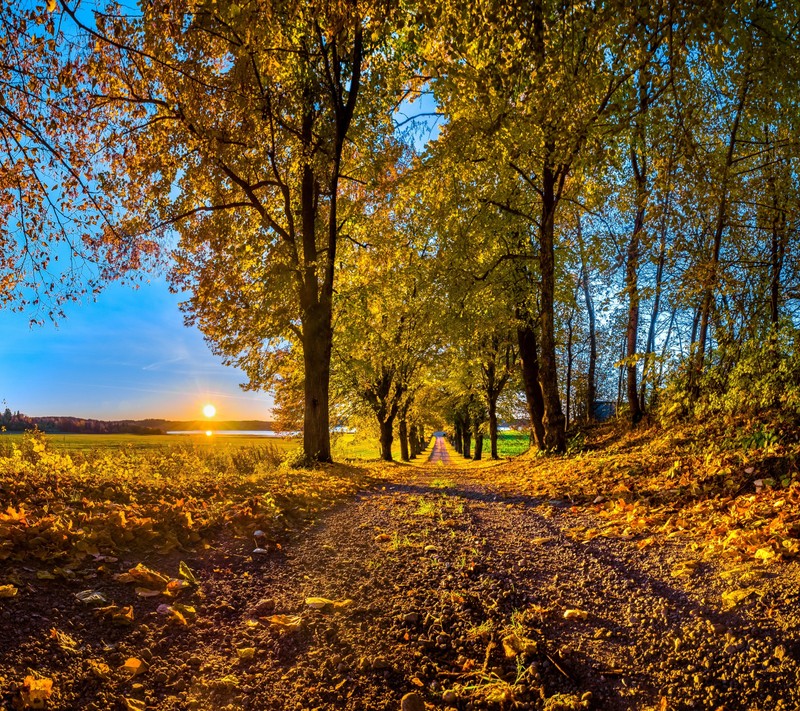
[443,590]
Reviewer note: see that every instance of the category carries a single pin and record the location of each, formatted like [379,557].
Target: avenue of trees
[601,203]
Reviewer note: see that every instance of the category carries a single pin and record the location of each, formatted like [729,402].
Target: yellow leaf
[731,598]
[287,623]
[575,614]
[172,613]
[515,644]
[542,540]
[118,615]
[36,692]
[246,653]
[134,705]
[185,572]
[145,576]
[686,567]
[318,603]
[765,554]
[8,591]
[188,611]
[133,666]
[99,669]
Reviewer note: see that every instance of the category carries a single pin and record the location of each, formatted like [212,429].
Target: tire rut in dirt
[647,635]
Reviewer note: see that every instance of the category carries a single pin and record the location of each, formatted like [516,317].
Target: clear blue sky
[125,356]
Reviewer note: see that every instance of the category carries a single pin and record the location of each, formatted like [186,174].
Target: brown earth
[472,597]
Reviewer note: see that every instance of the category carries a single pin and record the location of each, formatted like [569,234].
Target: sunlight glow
[209,433]
[209,410]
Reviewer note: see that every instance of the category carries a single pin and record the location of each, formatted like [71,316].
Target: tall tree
[232,126]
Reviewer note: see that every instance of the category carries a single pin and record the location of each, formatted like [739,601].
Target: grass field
[511,443]
[88,442]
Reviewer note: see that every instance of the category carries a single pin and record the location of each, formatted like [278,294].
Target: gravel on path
[436,588]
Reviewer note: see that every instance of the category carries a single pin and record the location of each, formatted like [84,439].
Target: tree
[233,126]
[541,100]
[387,327]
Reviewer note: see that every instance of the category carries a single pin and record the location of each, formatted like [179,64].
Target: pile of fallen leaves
[58,508]
[651,486]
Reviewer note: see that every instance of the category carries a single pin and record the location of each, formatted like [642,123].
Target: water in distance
[235,433]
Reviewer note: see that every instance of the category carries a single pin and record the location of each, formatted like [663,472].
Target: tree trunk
[568,384]
[413,438]
[591,387]
[777,253]
[529,363]
[458,437]
[650,347]
[387,437]
[467,434]
[403,432]
[711,277]
[620,378]
[478,444]
[632,331]
[553,419]
[493,427]
[317,339]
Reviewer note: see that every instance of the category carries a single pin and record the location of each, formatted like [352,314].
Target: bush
[748,380]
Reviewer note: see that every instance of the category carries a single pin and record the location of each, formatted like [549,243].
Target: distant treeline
[18,422]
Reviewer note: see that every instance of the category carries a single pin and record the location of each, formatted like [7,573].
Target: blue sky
[127,355]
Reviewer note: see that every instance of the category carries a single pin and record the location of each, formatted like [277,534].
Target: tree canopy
[606,211]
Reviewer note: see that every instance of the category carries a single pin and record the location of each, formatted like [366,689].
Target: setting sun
[209,410]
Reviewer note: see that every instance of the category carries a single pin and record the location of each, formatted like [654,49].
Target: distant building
[604,410]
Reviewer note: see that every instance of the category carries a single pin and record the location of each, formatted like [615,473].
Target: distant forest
[18,422]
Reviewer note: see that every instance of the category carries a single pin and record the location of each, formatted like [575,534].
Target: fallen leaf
[67,643]
[90,597]
[732,598]
[575,614]
[188,611]
[320,603]
[286,623]
[100,669]
[36,692]
[146,577]
[118,615]
[133,667]
[185,572]
[8,591]
[765,554]
[246,653]
[686,567]
[134,705]
[514,645]
[172,613]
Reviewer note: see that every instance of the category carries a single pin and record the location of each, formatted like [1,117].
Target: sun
[209,410]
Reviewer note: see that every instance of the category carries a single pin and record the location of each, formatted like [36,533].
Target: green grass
[89,442]
[511,443]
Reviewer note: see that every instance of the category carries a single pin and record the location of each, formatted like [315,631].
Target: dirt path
[473,600]
[439,453]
